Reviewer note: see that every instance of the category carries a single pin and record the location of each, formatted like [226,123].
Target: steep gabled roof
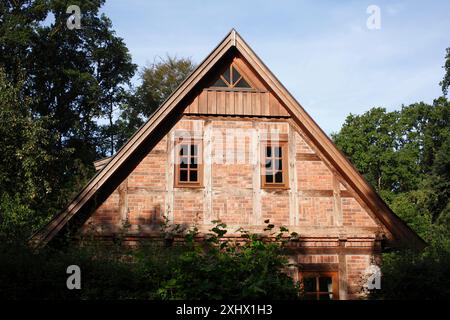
[116,168]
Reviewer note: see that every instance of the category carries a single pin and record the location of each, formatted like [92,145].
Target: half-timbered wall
[318,205]
[338,234]
[316,202]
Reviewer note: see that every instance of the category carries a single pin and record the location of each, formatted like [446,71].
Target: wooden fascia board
[99,164]
[397,226]
[40,238]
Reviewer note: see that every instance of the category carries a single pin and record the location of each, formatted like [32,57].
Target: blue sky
[322,51]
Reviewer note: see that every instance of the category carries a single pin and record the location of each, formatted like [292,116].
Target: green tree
[65,81]
[445,83]
[19,21]
[113,71]
[439,178]
[27,185]
[372,143]
[74,76]
[159,80]
[403,153]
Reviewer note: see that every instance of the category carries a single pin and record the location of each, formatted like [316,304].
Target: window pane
[193,176]
[193,149]
[242,84]
[325,284]
[183,150]
[278,152]
[269,164]
[279,177]
[194,162]
[220,83]
[278,164]
[268,151]
[183,175]
[309,284]
[183,162]
[269,177]
[236,75]
[226,75]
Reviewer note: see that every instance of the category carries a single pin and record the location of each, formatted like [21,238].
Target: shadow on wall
[140,225]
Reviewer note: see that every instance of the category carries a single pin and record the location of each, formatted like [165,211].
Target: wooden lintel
[318,267]
[336,250]
[325,193]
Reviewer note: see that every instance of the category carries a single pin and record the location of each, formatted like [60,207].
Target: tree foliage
[56,84]
[403,153]
[159,80]
[74,76]
[27,186]
[445,83]
[405,156]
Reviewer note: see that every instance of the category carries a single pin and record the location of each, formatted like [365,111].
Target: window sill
[275,188]
[189,186]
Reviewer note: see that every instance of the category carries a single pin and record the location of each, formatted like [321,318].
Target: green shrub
[212,269]
[229,270]
[423,275]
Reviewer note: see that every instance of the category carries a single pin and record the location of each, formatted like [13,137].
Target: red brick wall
[356,266]
[311,206]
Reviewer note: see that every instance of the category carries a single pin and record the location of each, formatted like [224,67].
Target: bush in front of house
[210,269]
[221,269]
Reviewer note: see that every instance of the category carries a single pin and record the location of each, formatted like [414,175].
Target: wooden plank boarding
[236,103]
[203,103]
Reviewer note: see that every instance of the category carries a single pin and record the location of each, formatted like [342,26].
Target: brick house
[232,144]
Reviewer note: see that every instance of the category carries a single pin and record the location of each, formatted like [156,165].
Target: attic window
[231,78]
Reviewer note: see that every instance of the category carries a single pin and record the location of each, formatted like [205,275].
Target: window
[188,163]
[231,78]
[274,165]
[320,285]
